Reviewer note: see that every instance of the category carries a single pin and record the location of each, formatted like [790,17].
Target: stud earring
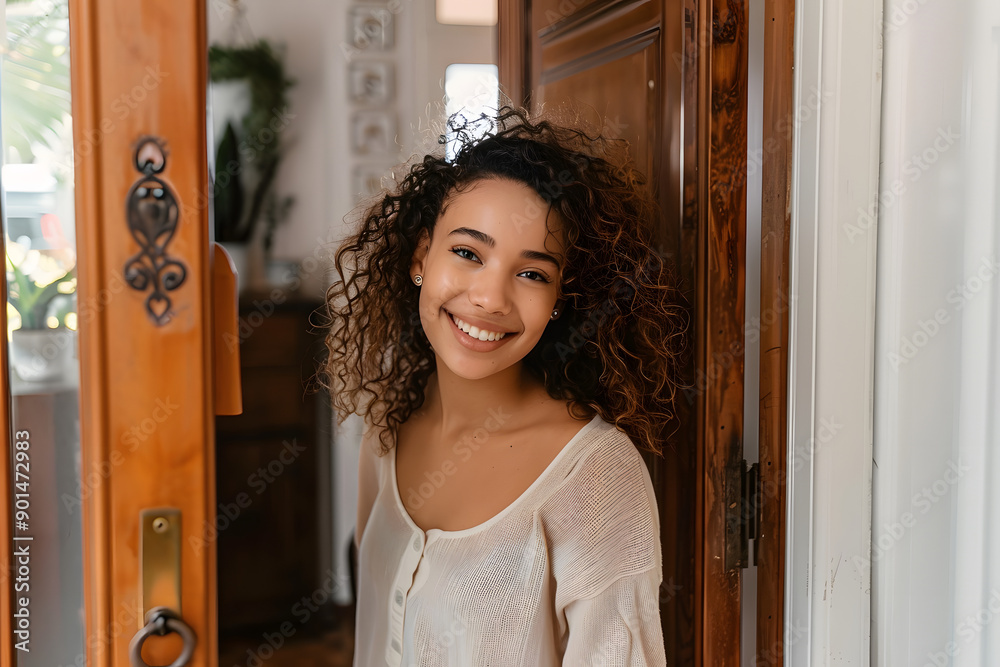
[418,280]
[555,314]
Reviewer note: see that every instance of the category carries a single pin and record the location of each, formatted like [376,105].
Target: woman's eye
[458,252]
[472,256]
[539,277]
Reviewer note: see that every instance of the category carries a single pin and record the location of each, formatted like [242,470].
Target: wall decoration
[371,28]
[367,181]
[371,82]
[373,132]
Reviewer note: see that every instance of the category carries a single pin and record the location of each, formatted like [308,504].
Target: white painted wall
[936,551]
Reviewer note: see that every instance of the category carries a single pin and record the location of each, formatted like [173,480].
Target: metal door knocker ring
[162,621]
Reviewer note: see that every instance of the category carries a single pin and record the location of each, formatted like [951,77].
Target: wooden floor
[329,647]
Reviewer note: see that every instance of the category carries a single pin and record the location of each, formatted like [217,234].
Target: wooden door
[670,76]
[153,297]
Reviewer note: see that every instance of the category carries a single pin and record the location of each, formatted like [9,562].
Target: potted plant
[37,139]
[43,349]
[248,155]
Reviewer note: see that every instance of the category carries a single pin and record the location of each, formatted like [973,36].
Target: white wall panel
[935,553]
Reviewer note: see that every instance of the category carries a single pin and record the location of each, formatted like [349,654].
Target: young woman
[512,339]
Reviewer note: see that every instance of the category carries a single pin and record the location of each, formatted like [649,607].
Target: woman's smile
[473,339]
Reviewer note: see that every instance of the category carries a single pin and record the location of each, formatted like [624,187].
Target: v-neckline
[502,513]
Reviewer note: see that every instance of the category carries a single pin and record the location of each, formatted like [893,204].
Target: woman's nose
[490,292]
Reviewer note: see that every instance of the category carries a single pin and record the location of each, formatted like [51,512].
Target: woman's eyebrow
[490,242]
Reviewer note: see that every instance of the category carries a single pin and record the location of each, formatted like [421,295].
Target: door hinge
[742,514]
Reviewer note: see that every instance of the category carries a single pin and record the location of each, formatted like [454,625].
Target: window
[471,91]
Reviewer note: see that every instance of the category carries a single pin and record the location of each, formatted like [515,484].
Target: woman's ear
[420,253]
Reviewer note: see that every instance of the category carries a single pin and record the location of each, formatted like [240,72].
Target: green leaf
[36,79]
[32,300]
[228,189]
[262,68]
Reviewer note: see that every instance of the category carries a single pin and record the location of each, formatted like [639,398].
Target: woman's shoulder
[608,443]
[373,455]
[606,470]
[603,520]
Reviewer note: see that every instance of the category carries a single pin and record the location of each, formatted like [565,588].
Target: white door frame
[838,56]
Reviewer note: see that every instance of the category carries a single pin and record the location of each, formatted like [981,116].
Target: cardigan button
[399,597]
[395,645]
[416,543]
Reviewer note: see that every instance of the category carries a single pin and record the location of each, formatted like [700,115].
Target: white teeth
[476,332]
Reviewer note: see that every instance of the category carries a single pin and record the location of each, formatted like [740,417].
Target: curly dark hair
[617,348]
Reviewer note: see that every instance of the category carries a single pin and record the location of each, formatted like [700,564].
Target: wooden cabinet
[272,466]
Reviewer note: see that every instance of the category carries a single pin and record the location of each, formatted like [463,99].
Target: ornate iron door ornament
[152,214]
